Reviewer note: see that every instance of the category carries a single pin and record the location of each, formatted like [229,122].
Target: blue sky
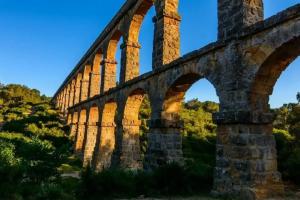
[42,40]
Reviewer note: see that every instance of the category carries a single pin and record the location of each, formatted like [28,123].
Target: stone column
[164,143]
[105,147]
[130,152]
[84,90]
[81,128]
[246,165]
[235,15]
[108,75]
[59,104]
[73,129]
[94,84]
[66,100]
[77,89]
[130,61]
[72,94]
[69,118]
[63,95]
[92,132]
[166,33]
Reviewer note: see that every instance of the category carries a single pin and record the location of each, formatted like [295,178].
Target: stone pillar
[81,128]
[73,129]
[108,75]
[246,165]
[72,94]
[63,93]
[66,100]
[234,15]
[77,89]
[59,102]
[84,90]
[105,148]
[164,143]
[130,152]
[56,102]
[69,118]
[92,132]
[166,33]
[130,61]
[94,84]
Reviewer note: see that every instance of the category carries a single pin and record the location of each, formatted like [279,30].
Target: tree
[298,97]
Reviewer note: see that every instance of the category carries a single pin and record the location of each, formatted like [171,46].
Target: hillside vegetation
[35,151]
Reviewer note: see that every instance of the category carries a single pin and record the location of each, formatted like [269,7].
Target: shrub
[288,150]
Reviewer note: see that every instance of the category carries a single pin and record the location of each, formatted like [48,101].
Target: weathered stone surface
[243,66]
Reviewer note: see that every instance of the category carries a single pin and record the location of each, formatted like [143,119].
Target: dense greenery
[33,145]
[36,153]
[287,133]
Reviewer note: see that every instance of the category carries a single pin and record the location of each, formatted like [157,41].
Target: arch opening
[80,135]
[107,137]
[270,71]
[74,125]
[77,88]
[84,91]
[95,75]
[91,135]
[271,92]
[111,66]
[137,112]
[198,130]
[141,32]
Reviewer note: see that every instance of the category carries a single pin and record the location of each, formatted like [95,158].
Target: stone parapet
[243,117]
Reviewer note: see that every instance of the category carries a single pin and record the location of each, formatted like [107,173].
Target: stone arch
[72,92]
[91,134]
[66,99]
[175,95]
[131,156]
[109,63]
[130,61]
[105,145]
[74,125]
[137,20]
[269,72]
[69,118]
[113,45]
[95,75]
[77,88]
[81,129]
[166,132]
[86,71]
[180,84]
[252,130]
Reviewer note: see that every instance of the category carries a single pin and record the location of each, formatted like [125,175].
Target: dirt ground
[290,195]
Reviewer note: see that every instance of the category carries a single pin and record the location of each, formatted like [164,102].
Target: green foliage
[33,146]
[144,116]
[35,150]
[19,93]
[168,180]
[197,118]
[288,148]
[298,97]
[288,118]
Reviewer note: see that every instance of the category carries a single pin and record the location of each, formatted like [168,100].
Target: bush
[168,180]
[288,150]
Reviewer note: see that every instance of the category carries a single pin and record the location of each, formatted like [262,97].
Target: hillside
[35,151]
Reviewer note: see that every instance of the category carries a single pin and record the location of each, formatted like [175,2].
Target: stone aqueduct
[243,66]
